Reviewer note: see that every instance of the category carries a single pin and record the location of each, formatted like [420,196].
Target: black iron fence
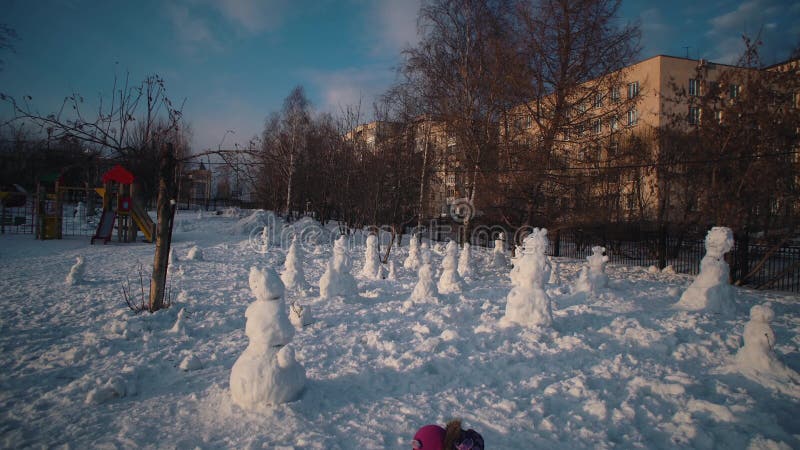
[79,213]
[761,265]
[758,265]
[18,219]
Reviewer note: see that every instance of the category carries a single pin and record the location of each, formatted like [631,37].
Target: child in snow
[434,437]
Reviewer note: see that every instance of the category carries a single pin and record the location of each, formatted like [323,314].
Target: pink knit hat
[429,437]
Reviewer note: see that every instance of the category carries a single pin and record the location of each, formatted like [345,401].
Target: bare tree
[736,163]
[284,140]
[112,132]
[459,68]
[568,69]
[7,37]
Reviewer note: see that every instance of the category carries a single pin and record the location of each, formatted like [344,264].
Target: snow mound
[195,254]
[255,221]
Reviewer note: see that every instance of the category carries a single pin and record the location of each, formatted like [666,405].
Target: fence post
[662,246]
[742,260]
[557,243]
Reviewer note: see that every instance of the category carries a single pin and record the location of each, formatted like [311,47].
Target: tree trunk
[165,207]
[289,185]
[421,205]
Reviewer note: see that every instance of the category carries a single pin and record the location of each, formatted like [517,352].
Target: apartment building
[595,163]
[604,114]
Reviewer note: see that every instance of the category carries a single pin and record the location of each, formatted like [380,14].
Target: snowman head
[266,284]
[719,241]
[762,313]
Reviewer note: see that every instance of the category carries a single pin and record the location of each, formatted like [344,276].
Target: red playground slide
[106,227]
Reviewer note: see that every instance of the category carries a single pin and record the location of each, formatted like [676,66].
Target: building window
[718,116]
[694,115]
[633,117]
[598,100]
[598,126]
[614,95]
[733,92]
[633,89]
[694,87]
[528,121]
[613,124]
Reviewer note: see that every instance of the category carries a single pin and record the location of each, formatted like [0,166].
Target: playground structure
[119,206]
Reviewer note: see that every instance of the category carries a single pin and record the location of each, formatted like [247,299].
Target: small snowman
[499,258]
[450,281]
[300,316]
[75,275]
[412,262]
[337,279]
[528,304]
[465,267]
[593,276]
[372,261]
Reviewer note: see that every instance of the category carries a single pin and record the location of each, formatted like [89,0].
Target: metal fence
[18,219]
[80,213]
[757,265]
[761,266]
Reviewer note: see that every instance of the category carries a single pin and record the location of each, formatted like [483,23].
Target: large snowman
[711,290]
[267,373]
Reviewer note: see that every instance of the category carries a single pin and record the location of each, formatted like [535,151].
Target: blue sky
[233,61]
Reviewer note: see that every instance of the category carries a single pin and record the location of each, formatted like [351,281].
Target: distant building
[632,103]
[195,187]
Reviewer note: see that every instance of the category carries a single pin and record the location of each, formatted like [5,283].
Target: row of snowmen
[267,372]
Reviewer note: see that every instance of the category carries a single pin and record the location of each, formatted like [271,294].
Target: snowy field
[619,369]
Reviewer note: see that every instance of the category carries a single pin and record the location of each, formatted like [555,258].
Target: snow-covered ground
[621,368]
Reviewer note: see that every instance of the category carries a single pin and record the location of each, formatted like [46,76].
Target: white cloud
[769,20]
[653,21]
[393,23]
[193,33]
[739,17]
[197,30]
[254,16]
[351,87]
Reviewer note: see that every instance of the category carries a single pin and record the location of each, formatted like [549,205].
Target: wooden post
[120,216]
[59,213]
[37,212]
[165,207]
[106,195]
[134,227]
